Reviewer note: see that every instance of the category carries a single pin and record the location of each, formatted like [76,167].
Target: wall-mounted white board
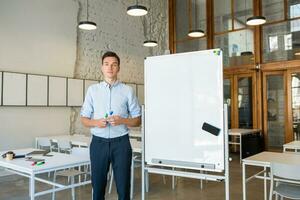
[75,92]
[14,89]
[133,86]
[37,90]
[87,84]
[57,91]
[0,88]
[182,91]
[140,94]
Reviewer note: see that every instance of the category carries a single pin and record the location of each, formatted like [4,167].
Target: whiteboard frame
[165,76]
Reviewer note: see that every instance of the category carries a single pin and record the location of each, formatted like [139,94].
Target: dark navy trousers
[118,152]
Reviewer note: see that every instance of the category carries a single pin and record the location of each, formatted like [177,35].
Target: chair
[45,143]
[72,173]
[284,186]
[64,146]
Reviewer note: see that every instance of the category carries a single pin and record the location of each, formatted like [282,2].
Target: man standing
[109,108]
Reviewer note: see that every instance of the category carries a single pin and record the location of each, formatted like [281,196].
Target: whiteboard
[57,91]
[140,94]
[87,84]
[133,86]
[182,91]
[75,92]
[0,88]
[37,90]
[14,89]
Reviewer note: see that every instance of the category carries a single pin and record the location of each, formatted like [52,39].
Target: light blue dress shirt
[103,99]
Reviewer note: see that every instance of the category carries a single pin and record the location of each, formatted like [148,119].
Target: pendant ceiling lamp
[87,25]
[150,42]
[137,10]
[194,32]
[256,20]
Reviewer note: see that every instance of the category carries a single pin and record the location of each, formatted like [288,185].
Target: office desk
[240,133]
[58,161]
[264,159]
[295,145]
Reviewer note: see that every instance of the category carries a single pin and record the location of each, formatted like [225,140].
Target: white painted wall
[36,37]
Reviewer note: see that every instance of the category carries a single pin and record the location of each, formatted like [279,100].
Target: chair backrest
[44,142]
[287,171]
[80,151]
[64,144]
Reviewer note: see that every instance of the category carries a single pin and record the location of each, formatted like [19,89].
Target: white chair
[45,143]
[64,146]
[284,188]
[72,173]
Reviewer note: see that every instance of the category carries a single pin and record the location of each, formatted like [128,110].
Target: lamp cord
[196,14]
[87,10]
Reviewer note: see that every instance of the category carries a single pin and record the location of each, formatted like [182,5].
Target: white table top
[266,158]
[55,162]
[294,144]
[239,131]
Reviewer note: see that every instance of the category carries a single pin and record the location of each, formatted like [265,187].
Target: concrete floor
[15,187]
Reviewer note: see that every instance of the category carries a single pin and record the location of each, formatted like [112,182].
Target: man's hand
[115,120]
[100,123]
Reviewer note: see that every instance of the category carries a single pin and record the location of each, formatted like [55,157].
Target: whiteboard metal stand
[194,175]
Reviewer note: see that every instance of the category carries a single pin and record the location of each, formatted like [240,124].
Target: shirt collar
[113,85]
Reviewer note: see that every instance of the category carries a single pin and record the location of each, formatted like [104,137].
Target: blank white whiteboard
[14,89]
[0,88]
[87,84]
[182,91]
[57,91]
[140,94]
[133,87]
[37,90]
[75,92]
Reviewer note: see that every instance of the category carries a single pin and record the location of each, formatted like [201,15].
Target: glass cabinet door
[227,98]
[239,95]
[274,110]
[295,84]
[244,100]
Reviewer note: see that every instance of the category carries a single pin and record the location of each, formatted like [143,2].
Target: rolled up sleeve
[134,108]
[87,108]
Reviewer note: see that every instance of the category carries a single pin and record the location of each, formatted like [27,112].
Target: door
[240,95]
[274,109]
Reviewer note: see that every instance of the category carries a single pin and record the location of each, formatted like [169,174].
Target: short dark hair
[111,54]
